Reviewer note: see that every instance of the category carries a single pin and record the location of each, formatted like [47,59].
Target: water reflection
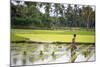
[27,54]
[31,59]
[53,55]
[14,61]
[24,57]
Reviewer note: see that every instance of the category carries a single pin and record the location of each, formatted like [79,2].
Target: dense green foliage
[39,15]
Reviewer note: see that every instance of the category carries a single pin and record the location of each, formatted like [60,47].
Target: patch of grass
[14,37]
[58,38]
[62,32]
[52,35]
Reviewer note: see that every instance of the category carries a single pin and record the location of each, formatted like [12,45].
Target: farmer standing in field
[73,47]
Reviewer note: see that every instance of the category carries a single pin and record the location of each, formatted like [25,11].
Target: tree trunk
[87,26]
[88,23]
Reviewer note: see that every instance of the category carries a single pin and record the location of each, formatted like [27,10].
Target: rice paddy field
[48,53]
[52,35]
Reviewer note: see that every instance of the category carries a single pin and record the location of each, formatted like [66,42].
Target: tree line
[39,15]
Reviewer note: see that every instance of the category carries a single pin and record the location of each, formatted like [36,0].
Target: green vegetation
[62,32]
[14,37]
[53,35]
[52,22]
[39,15]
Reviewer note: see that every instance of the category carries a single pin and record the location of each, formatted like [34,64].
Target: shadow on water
[41,55]
[53,55]
[86,53]
[14,61]
[24,60]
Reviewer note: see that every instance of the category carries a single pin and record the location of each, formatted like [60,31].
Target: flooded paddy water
[35,53]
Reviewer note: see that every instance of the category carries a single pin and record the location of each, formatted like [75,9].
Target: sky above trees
[42,9]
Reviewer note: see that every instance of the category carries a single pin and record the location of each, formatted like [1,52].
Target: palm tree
[58,12]
[69,16]
[47,9]
[87,13]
